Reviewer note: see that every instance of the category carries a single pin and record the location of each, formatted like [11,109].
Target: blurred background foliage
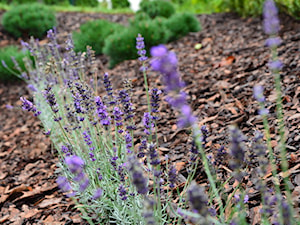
[245,8]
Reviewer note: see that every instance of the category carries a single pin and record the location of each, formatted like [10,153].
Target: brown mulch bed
[219,76]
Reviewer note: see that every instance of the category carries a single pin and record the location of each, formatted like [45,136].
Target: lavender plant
[115,181]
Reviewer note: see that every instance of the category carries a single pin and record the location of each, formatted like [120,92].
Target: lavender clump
[29,106]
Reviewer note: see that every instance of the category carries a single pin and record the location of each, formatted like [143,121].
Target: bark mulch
[219,80]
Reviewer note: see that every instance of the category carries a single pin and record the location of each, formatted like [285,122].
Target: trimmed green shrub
[5,56]
[94,33]
[120,4]
[154,31]
[181,24]
[56,2]
[157,8]
[91,3]
[23,1]
[28,20]
[245,7]
[138,17]
[121,46]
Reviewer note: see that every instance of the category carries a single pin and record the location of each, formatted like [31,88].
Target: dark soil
[219,80]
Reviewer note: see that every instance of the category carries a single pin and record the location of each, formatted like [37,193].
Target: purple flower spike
[102,113]
[273,42]
[140,46]
[271,21]
[138,178]
[198,199]
[74,163]
[258,93]
[98,194]
[29,106]
[275,65]
[63,184]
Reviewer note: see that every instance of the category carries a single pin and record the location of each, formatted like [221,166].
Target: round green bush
[157,8]
[28,20]
[56,2]
[94,33]
[120,4]
[5,58]
[181,24]
[139,16]
[154,31]
[122,46]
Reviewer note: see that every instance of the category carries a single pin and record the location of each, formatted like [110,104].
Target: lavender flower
[273,42]
[102,112]
[29,106]
[237,151]
[122,192]
[128,141]
[148,211]
[154,157]
[140,46]
[166,63]
[107,85]
[154,102]
[172,176]
[142,148]
[271,21]
[258,93]
[63,184]
[4,64]
[51,100]
[137,175]
[126,104]
[198,199]
[66,149]
[275,65]
[98,193]
[75,165]
[147,123]
[118,119]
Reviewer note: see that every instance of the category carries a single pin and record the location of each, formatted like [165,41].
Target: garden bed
[219,78]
